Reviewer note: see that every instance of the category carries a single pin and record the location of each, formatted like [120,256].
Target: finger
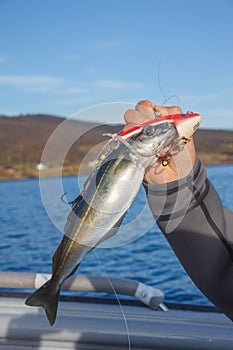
[146,108]
[164,111]
[128,127]
[135,117]
[146,104]
[145,111]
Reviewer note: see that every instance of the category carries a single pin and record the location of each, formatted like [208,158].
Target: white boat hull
[97,325]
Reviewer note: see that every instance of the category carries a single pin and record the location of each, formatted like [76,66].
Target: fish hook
[166,159]
[62,198]
[77,199]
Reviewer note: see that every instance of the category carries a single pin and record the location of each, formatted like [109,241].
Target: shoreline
[23,140]
[31,173]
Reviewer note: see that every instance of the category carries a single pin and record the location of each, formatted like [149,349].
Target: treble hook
[77,199]
[62,198]
[166,159]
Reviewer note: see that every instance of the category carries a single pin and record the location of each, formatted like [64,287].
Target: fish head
[152,137]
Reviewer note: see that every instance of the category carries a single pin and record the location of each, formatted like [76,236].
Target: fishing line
[117,298]
[165,98]
[171,97]
[160,85]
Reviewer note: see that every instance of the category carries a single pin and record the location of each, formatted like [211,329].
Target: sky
[62,56]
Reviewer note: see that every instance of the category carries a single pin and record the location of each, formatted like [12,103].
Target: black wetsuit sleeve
[190,214]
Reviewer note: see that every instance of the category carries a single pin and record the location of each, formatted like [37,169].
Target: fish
[108,193]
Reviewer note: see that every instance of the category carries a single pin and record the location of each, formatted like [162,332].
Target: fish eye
[148,130]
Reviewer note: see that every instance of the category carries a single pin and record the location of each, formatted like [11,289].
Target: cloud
[90,69]
[68,92]
[199,98]
[106,44]
[4,59]
[220,113]
[71,91]
[31,83]
[44,84]
[71,57]
[115,84]
[40,83]
[217,118]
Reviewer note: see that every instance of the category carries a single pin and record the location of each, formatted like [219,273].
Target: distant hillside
[23,138]
[214,147]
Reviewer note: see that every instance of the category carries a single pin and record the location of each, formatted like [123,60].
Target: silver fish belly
[96,216]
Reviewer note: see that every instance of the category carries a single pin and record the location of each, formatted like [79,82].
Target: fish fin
[46,296]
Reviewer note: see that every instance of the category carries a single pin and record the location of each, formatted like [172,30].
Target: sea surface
[30,232]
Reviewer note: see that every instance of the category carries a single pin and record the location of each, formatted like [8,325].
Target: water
[29,238]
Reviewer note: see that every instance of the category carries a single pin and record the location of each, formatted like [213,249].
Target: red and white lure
[160,136]
[186,124]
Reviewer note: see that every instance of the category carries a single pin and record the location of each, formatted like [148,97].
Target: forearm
[190,214]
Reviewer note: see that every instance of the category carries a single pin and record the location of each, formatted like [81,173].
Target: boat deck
[93,324]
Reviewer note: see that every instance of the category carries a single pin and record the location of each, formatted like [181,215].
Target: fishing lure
[167,134]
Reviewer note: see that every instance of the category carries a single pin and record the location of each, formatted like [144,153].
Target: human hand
[181,163]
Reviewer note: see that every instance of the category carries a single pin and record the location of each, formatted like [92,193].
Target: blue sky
[60,56]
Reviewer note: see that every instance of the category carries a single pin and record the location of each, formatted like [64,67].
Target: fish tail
[46,296]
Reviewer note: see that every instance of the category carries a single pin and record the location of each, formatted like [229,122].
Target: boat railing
[148,295]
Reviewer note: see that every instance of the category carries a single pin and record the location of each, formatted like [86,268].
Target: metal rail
[150,296]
